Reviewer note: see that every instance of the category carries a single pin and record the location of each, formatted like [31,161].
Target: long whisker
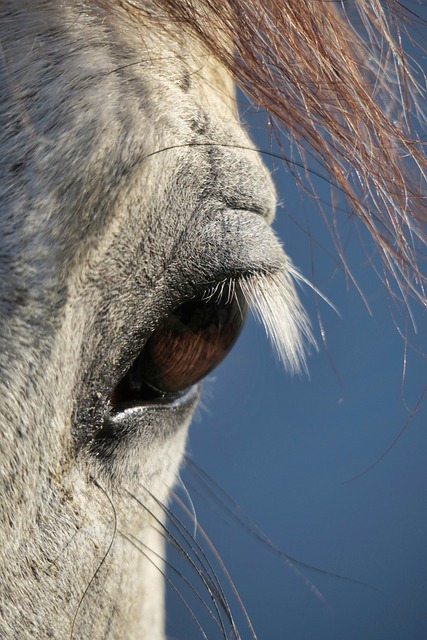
[198,550]
[271,154]
[403,429]
[221,564]
[64,548]
[136,543]
[235,511]
[209,578]
[206,565]
[187,493]
[100,565]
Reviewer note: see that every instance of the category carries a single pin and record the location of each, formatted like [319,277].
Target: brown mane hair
[351,95]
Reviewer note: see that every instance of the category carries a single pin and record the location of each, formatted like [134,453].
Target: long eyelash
[274,301]
[224,291]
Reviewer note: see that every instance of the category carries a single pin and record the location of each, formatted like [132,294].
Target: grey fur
[124,189]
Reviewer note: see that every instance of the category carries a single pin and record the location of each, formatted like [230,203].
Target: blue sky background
[284,448]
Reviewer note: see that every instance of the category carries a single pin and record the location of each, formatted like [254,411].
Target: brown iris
[186,346]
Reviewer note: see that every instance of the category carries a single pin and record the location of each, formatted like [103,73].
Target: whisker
[166,578]
[136,543]
[235,511]
[221,564]
[209,578]
[217,592]
[403,430]
[206,580]
[197,549]
[193,508]
[64,548]
[193,545]
[99,567]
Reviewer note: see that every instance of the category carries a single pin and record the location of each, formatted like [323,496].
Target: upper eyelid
[241,246]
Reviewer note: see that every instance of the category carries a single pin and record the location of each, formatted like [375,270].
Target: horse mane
[350,95]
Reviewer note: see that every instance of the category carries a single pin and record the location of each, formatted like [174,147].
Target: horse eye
[184,348]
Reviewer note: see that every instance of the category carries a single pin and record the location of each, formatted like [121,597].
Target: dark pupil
[189,343]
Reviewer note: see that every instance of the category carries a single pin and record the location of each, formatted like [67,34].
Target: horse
[136,218]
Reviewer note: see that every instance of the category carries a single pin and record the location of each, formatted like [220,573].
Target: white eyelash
[274,301]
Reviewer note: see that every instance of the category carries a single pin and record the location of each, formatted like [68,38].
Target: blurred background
[296,454]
